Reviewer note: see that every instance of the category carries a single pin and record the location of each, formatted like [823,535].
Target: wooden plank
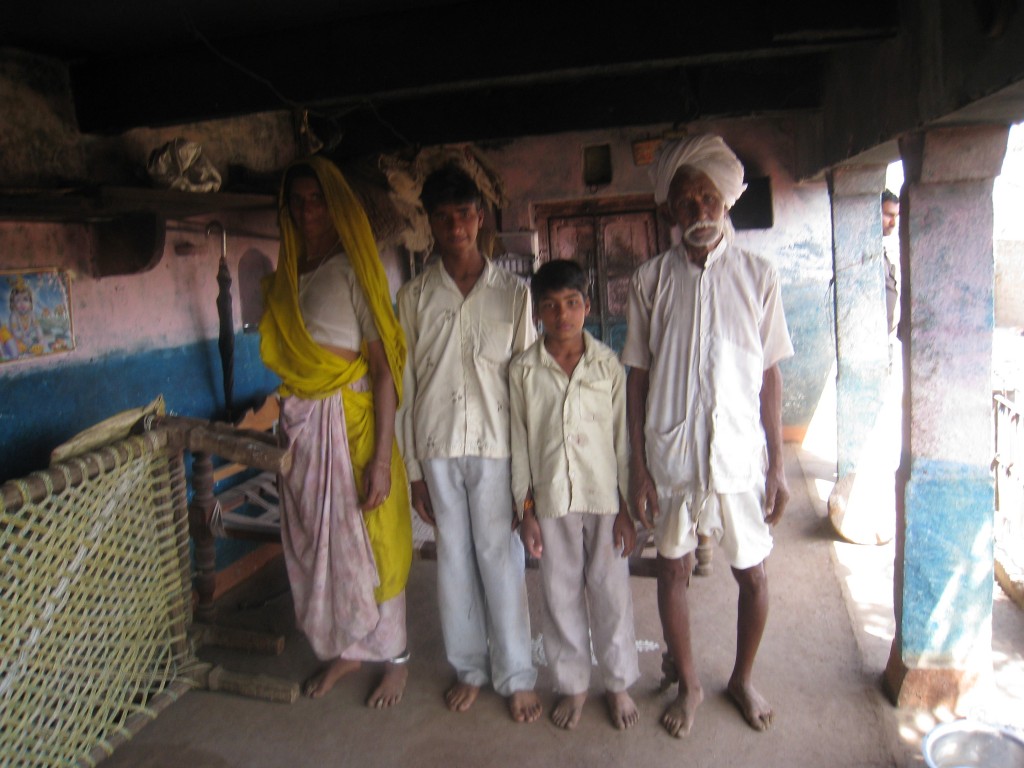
[254,449]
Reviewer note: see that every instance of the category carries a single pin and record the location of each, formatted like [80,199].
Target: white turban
[707,153]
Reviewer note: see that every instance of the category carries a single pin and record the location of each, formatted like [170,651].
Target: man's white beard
[704,233]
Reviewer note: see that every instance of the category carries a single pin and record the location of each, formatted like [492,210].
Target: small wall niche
[597,165]
[252,268]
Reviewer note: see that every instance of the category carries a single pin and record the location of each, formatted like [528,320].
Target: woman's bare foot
[392,686]
[679,715]
[567,711]
[622,709]
[322,682]
[755,709]
[525,706]
[461,696]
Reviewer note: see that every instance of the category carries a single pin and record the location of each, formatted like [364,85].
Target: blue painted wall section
[808,304]
[862,373]
[861,334]
[44,407]
[948,577]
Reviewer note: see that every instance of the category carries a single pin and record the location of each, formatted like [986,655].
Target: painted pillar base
[924,688]
[864,512]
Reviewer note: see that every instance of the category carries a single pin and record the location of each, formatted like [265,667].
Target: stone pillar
[944,491]
[862,352]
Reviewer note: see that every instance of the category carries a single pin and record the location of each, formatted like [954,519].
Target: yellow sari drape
[309,371]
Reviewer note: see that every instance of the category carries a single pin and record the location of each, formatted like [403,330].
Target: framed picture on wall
[35,314]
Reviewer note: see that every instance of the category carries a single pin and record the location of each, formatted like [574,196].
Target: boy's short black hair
[447,185]
[558,275]
[888,196]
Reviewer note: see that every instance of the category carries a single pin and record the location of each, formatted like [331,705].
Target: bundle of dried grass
[371,187]
[406,172]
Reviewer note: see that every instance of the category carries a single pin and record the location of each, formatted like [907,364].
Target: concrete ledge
[1011,578]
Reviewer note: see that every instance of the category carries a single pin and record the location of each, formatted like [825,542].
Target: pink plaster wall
[171,305]
[545,169]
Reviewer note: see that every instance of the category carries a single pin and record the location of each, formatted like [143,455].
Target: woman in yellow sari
[330,333]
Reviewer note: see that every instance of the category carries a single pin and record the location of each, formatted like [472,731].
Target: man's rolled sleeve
[521,476]
[775,339]
[636,352]
[620,433]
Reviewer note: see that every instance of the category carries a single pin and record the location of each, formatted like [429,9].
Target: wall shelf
[86,204]
[130,223]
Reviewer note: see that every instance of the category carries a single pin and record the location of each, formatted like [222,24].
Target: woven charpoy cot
[95,600]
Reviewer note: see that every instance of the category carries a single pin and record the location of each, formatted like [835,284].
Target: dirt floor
[820,665]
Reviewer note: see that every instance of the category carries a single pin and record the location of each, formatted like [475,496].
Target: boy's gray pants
[580,568]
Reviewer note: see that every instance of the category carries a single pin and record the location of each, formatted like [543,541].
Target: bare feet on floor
[322,682]
[525,706]
[461,696]
[392,686]
[756,711]
[622,709]
[678,716]
[567,711]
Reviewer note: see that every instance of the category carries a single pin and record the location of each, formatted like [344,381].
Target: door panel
[628,240]
[609,239]
[573,238]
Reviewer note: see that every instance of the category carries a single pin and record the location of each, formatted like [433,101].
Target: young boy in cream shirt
[569,480]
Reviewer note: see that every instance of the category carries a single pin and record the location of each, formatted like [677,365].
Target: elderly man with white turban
[704,404]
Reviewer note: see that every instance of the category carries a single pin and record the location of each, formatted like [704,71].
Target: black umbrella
[226,339]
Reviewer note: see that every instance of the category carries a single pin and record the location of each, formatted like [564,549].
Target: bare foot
[320,683]
[392,686]
[622,709]
[567,711]
[525,706]
[679,715]
[461,696]
[756,711]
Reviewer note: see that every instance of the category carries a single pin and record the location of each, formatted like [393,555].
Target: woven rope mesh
[94,602]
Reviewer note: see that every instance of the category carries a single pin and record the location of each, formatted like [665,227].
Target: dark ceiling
[380,74]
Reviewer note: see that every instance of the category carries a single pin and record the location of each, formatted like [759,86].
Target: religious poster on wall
[36,320]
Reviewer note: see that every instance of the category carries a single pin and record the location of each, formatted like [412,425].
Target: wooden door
[609,246]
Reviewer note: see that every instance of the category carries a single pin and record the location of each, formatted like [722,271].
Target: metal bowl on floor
[970,744]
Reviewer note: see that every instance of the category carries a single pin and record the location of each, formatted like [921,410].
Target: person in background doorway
[890,217]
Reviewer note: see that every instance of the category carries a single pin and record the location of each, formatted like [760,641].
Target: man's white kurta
[706,336]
